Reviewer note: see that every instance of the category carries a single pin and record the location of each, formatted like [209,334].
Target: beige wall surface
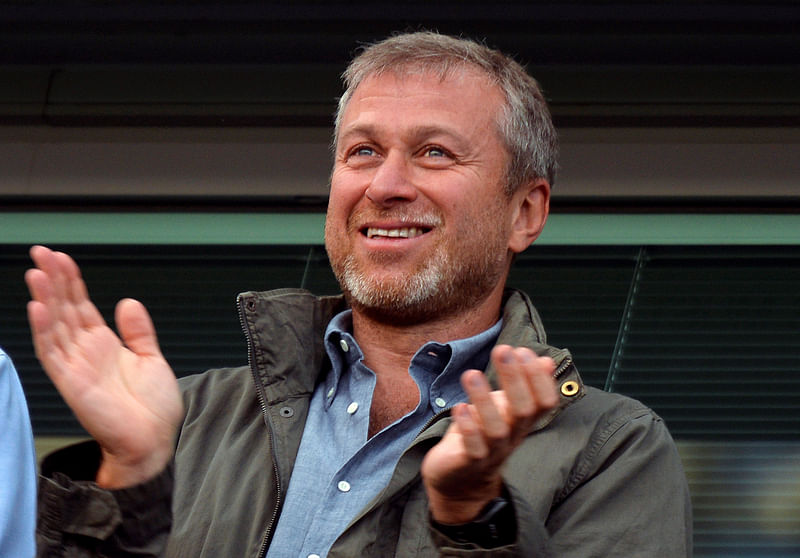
[294,162]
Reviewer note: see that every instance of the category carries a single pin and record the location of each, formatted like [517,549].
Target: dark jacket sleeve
[77,518]
[531,541]
[626,495]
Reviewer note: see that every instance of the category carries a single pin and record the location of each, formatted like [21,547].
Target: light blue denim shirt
[17,467]
[338,470]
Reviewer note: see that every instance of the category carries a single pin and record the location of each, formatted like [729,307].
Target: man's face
[418,223]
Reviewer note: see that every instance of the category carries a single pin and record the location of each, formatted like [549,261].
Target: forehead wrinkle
[371,123]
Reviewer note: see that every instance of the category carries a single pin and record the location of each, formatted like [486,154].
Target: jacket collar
[286,327]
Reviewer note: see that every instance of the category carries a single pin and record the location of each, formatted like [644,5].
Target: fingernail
[476,380]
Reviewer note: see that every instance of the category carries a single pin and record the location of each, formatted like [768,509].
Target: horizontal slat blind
[712,343]
[745,496]
[580,294]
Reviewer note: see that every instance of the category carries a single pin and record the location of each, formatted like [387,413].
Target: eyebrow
[416,133]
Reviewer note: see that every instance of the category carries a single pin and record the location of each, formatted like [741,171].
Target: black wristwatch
[496,525]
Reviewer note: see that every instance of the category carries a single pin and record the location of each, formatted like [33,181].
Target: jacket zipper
[261,400]
[562,367]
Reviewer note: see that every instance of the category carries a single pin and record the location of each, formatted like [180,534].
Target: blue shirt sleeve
[17,467]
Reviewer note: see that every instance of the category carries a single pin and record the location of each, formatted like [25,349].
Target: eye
[362,151]
[434,151]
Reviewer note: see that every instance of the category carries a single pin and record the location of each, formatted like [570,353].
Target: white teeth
[407,232]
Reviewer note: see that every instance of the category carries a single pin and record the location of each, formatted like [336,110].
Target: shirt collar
[451,359]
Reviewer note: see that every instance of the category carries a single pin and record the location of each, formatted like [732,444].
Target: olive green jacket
[598,476]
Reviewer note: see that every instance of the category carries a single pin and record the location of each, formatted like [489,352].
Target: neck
[388,347]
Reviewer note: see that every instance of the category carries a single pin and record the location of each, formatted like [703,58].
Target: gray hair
[524,122]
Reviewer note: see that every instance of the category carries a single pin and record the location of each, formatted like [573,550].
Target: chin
[416,299]
[439,288]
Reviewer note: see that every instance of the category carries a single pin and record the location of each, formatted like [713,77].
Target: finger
[538,372]
[542,383]
[47,286]
[528,385]
[136,328]
[76,292]
[46,260]
[57,283]
[45,345]
[43,315]
[472,438]
[511,371]
[38,285]
[39,279]
[491,421]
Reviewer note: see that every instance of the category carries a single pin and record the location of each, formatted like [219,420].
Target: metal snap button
[570,388]
[287,412]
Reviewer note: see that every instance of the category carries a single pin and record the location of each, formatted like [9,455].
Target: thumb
[136,328]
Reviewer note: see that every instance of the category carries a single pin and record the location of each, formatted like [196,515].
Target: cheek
[346,190]
[337,201]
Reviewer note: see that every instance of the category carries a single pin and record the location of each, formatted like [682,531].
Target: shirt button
[352,408]
[331,392]
[343,344]
[344,486]
[313,556]
[440,402]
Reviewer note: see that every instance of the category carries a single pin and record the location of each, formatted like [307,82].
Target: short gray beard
[401,296]
[441,288]
[437,291]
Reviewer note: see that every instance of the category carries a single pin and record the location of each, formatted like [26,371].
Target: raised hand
[121,390]
[462,473]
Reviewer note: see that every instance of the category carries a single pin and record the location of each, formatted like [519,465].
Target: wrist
[495,526]
[114,473]
[453,511]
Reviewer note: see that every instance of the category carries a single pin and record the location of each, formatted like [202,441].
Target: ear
[531,204]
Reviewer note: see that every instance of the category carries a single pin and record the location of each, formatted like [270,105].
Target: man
[17,467]
[364,425]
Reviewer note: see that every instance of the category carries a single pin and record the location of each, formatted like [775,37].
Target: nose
[391,183]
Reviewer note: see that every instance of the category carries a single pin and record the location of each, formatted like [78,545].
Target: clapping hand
[119,387]
[462,473]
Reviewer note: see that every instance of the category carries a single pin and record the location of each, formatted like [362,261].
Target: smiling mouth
[402,232]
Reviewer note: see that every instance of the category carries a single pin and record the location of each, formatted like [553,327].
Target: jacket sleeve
[532,538]
[626,495]
[78,519]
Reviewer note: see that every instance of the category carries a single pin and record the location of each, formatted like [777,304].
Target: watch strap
[496,525]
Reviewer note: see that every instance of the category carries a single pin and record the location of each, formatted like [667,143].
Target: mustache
[427,217]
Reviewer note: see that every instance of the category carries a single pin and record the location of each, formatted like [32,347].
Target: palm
[121,389]
[464,470]
[123,399]
[451,465]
